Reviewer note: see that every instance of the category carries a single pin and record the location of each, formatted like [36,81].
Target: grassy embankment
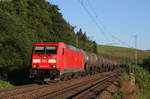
[139,90]
[127,54]
[142,77]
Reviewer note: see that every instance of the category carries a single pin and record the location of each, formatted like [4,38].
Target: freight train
[58,60]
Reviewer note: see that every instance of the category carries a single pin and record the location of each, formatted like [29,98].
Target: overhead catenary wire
[93,20]
[104,27]
[98,19]
[101,27]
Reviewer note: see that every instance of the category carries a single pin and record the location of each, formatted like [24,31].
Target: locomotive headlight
[53,66]
[52,61]
[36,61]
[35,66]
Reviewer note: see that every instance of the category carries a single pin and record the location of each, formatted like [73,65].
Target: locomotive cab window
[51,50]
[45,50]
[39,50]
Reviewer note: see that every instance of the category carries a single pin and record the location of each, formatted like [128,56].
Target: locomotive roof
[47,43]
[56,43]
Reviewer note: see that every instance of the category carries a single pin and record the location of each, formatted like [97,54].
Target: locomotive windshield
[39,50]
[45,50]
[51,49]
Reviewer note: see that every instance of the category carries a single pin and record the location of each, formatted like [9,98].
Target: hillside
[127,53]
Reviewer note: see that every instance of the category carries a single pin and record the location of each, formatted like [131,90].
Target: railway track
[86,90]
[19,90]
[86,87]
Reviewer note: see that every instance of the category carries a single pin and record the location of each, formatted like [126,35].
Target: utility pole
[136,54]
[132,76]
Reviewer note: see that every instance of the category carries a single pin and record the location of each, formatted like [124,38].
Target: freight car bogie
[92,69]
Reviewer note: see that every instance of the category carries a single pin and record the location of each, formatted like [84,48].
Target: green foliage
[144,94]
[118,95]
[23,22]
[146,63]
[85,43]
[4,84]
[142,77]
[125,78]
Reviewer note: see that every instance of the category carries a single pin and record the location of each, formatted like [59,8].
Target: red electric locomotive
[51,60]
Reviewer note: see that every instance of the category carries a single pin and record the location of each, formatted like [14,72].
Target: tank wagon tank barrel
[96,61]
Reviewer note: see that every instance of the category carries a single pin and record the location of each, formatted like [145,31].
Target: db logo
[44,60]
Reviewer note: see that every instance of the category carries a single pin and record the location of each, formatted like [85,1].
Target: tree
[146,63]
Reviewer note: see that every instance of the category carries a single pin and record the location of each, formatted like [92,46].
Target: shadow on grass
[19,77]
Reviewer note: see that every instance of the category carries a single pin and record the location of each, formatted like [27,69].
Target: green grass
[122,52]
[4,84]
[144,95]
[118,95]
[125,78]
[107,48]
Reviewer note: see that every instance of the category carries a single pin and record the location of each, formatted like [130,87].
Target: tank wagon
[57,60]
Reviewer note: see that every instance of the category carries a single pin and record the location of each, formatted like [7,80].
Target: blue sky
[120,18]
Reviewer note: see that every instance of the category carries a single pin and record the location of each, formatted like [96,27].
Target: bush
[142,78]
[4,84]
[146,63]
